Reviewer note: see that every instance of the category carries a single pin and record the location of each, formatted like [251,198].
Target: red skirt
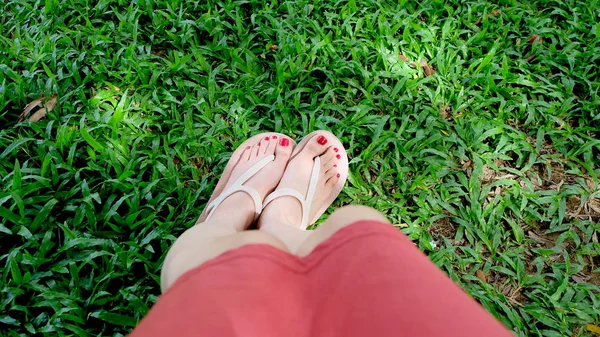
[368,279]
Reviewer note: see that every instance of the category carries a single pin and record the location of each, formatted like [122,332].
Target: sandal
[238,186]
[306,200]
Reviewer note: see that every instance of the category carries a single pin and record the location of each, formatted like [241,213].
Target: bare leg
[341,218]
[225,229]
[301,243]
[206,241]
[283,216]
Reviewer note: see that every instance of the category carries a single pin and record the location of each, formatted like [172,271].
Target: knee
[347,215]
[201,244]
[260,237]
[340,218]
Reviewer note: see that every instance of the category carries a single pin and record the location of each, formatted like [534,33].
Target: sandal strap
[237,186]
[305,201]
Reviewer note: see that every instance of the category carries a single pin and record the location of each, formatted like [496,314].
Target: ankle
[237,211]
[274,216]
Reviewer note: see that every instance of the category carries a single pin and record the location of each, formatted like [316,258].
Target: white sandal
[219,194]
[305,201]
[238,186]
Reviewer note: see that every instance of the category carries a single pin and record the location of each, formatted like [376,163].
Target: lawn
[473,126]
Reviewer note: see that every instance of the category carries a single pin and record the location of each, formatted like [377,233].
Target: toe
[273,141]
[266,146]
[331,182]
[327,158]
[330,171]
[316,146]
[246,154]
[256,150]
[283,149]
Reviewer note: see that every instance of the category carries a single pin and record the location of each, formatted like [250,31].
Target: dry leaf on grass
[273,47]
[594,205]
[488,174]
[403,58]
[534,38]
[481,275]
[593,328]
[159,53]
[493,13]
[427,68]
[579,279]
[446,112]
[529,58]
[46,105]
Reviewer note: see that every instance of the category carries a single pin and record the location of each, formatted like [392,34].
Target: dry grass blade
[47,104]
[427,68]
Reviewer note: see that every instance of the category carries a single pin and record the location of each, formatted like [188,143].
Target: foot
[238,209]
[288,210]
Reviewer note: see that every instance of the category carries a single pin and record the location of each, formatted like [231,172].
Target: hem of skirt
[296,264]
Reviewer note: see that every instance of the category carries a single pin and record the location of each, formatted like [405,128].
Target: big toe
[283,150]
[317,145]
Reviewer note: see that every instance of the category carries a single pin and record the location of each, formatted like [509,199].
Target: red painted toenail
[274,137]
[267,138]
[258,143]
[248,147]
[338,156]
[284,142]
[335,149]
[334,165]
[337,175]
[322,140]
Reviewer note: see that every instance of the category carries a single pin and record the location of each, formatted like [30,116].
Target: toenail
[248,147]
[274,137]
[337,175]
[284,142]
[334,165]
[267,138]
[335,149]
[322,140]
[338,156]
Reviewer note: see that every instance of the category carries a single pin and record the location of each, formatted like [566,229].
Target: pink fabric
[366,280]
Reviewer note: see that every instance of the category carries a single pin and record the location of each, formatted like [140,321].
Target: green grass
[490,165]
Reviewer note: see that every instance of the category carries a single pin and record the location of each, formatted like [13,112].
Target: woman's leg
[208,240]
[225,230]
[301,242]
[339,219]
[282,217]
